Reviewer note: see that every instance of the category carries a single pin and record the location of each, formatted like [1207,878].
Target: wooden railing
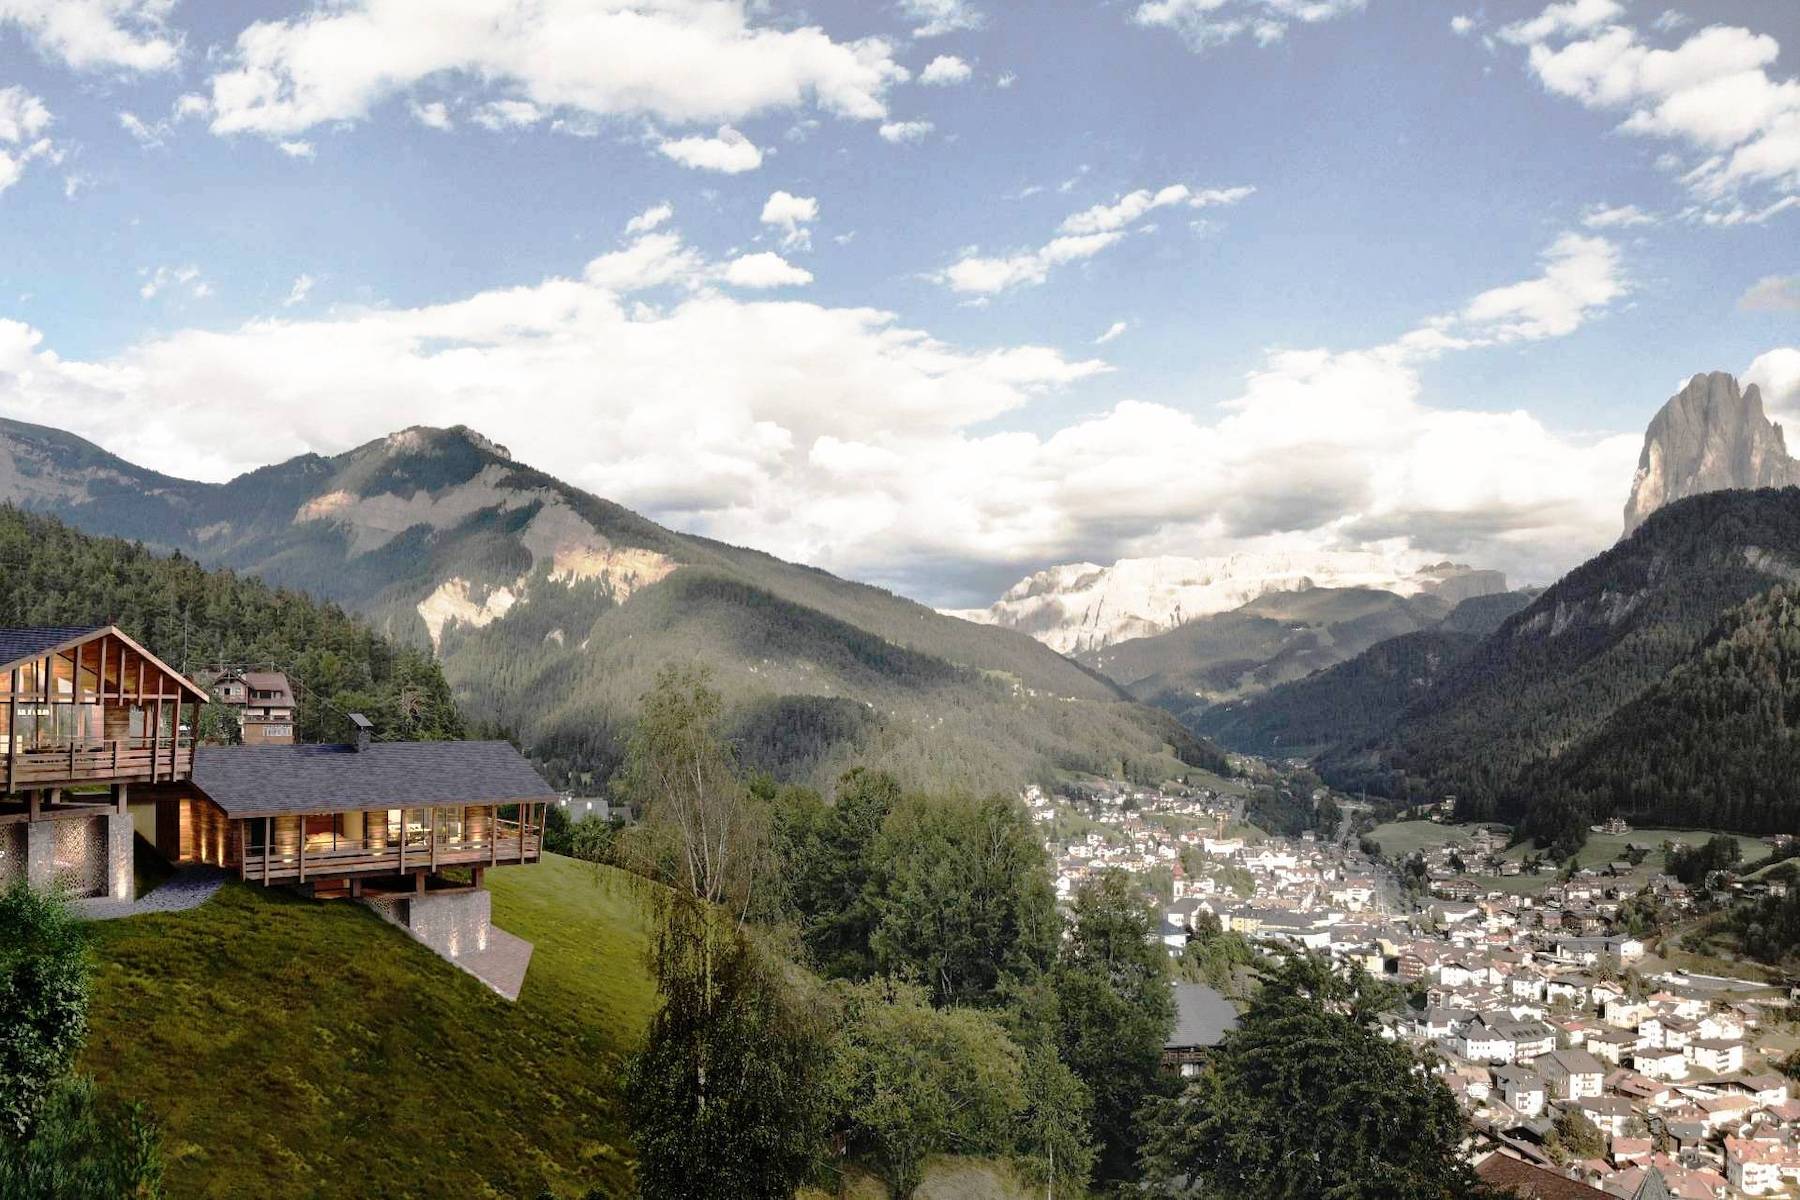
[129,759]
[287,861]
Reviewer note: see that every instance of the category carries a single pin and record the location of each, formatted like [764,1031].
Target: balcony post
[268,839]
[302,847]
[12,731]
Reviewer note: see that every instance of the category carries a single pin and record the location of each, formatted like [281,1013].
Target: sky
[929,293]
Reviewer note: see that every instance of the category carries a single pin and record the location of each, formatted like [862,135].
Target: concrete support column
[121,877]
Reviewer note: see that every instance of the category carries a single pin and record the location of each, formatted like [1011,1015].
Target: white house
[1572,1074]
[1721,1056]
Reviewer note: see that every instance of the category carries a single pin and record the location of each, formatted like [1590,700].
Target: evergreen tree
[1116,1010]
[1306,1098]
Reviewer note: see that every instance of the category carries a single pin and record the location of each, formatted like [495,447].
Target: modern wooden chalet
[386,815]
[85,714]
[97,746]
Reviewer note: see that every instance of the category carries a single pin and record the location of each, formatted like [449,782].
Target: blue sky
[1037,282]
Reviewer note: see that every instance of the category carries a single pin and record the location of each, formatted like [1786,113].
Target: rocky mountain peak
[1711,435]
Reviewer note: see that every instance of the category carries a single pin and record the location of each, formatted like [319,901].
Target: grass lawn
[1602,848]
[1400,838]
[296,1048]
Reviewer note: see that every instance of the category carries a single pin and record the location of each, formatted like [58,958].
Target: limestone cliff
[1710,436]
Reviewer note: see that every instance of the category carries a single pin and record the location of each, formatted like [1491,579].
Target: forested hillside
[1355,700]
[194,618]
[1556,673]
[550,610]
[1714,744]
[1273,639]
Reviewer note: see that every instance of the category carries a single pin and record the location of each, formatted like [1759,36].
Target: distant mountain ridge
[1274,639]
[1362,696]
[1554,674]
[1709,436]
[551,610]
[1078,608]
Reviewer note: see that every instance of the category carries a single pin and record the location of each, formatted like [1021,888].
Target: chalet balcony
[510,845]
[82,763]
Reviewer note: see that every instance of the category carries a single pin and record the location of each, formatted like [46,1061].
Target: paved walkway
[502,965]
[188,888]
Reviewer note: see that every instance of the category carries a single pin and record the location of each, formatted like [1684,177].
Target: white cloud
[23,119]
[1207,23]
[22,115]
[906,131]
[682,62]
[729,152]
[1570,17]
[143,132]
[1006,79]
[1083,235]
[839,437]
[1671,21]
[164,279]
[94,34]
[1581,277]
[1773,293]
[791,214]
[944,70]
[1777,374]
[1112,331]
[433,114]
[303,286]
[1462,26]
[297,149]
[938,17]
[765,270]
[1128,208]
[650,218]
[1622,216]
[1712,94]
[507,114]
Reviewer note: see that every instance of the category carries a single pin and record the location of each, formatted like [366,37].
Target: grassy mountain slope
[551,610]
[1554,673]
[1273,639]
[1355,700]
[1715,743]
[270,1035]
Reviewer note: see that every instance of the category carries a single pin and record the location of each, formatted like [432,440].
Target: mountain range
[1083,607]
[1655,681]
[551,611]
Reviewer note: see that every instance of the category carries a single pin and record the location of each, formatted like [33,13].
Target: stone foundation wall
[89,856]
[451,923]
[12,854]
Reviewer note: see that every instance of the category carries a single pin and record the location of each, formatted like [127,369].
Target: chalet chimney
[364,727]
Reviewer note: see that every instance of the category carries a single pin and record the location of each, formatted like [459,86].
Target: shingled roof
[1515,1177]
[20,645]
[256,781]
[1202,1017]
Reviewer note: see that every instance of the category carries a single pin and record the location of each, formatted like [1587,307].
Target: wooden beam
[12,731]
[268,841]
[433,827]
[302,847]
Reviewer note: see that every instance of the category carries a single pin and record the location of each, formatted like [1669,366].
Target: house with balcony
[88,717]
[263,702]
